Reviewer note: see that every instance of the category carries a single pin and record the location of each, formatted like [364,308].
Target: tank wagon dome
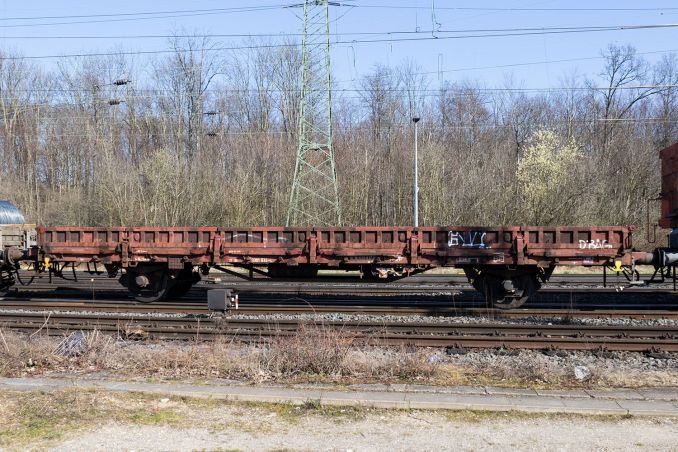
[10,214]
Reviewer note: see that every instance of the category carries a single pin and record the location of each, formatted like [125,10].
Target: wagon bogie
[506,288]
[150,282]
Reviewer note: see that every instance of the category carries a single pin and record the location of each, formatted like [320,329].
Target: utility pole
[314,197]
[415,191]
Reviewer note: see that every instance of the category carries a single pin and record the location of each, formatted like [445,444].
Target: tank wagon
[507,264]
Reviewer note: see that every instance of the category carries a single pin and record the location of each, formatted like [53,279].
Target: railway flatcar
[507,264]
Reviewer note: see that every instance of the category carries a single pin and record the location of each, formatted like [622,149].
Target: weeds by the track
[320,354]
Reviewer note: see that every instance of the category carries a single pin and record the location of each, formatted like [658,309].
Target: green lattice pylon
[314,198]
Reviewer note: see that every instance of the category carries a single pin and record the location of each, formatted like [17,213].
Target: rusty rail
[494,335]
[126,306]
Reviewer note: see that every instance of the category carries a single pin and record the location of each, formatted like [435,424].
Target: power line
[464,69]
[147,13]
[150,15]
[358,33]
[157,92]
[50,133]
[110,18]
[528,63]
[351,42]
[283,6]
[518,9]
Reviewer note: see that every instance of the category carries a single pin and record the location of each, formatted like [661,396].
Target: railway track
[637,303]
[428,297]
[459,336]
[261,307]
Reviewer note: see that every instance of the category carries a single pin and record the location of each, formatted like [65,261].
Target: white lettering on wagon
[467,239]
[594,245]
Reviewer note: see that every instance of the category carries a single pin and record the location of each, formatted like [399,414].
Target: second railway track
[510,336]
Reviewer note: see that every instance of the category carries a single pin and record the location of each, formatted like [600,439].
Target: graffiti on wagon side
[467,239]
[596,244]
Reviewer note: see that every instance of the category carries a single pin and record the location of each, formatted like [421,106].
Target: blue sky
[452,59]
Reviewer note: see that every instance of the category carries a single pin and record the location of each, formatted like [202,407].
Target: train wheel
[511,293]
[146,284]
[504,290]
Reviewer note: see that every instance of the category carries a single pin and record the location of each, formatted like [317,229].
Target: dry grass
[313,353]
[516,370]
[21,354]
[317,354]
[313,350]
[333,353]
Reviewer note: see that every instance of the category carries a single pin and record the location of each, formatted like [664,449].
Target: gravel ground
[617,369]
[339,317]
[256,430]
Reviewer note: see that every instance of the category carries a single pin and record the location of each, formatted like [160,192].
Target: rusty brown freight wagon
[507,264]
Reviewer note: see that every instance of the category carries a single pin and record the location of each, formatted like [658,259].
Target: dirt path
[237,429]
[103,420]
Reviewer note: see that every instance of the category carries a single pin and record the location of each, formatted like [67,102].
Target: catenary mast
[314,198]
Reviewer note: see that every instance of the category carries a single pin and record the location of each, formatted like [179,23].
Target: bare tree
[624,76]
[666,82]
[184,79]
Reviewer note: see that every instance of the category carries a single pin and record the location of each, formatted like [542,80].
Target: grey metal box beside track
[219,299]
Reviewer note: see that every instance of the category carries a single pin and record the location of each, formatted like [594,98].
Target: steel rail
[565,337]
[432,309]
[459,295]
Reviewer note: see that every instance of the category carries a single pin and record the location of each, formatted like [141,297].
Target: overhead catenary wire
[269,7]
[356,33]
[111,18]
[225,131]
[148,13]
[475,68]
[158,92]
[520,9]
[282,135]
[387,39]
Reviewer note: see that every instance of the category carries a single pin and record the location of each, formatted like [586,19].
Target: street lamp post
[415,193]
